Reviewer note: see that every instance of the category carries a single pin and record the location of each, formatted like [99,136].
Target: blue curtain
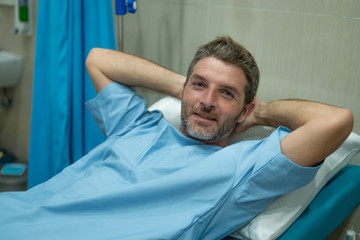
[62,130]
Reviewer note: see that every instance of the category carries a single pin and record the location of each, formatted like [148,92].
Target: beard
[225,124]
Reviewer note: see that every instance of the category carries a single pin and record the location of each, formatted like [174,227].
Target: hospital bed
[311,212]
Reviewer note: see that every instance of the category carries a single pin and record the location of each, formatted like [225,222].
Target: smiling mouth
[206,117]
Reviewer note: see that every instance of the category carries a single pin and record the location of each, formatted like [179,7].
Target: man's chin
[203,133]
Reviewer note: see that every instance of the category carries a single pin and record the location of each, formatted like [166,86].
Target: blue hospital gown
[148,181]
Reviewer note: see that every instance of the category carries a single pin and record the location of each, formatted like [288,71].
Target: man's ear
[247,110]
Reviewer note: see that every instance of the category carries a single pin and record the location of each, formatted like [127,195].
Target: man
[150,181]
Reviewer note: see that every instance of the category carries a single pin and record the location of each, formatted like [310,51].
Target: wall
[304,49]
[15,121]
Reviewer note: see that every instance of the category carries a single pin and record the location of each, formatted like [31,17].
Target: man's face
[213,101]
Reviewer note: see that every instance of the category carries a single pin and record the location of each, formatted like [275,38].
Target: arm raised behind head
[105,66]
[317,129]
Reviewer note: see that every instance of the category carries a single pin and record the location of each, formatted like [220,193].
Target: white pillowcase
[278,217]
[170,108]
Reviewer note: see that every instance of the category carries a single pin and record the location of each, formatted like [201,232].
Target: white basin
[10,69]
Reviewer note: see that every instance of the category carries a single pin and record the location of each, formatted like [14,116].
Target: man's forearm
[106,65]
[292,113]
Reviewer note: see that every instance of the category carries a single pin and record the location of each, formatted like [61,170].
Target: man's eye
[227,93]
[198,84]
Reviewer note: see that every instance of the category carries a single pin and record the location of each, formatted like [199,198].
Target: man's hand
[250,121]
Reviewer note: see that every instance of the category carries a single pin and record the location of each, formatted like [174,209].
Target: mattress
[333,204]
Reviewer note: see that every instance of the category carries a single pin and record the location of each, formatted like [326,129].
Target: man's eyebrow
[198,77]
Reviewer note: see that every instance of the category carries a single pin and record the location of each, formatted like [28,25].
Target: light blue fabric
[62,130]
[148,181]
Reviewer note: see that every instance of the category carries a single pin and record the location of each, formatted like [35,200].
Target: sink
[10,69]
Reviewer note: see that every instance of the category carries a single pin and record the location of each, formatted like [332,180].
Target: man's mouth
[205,116]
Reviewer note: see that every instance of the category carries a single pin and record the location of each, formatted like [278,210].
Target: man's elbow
[96,67]
[345,122]
[92,57]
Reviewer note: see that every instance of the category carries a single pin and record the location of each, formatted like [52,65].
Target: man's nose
[209,100]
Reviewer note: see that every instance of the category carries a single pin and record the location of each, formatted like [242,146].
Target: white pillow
[170,108]
[278,217]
